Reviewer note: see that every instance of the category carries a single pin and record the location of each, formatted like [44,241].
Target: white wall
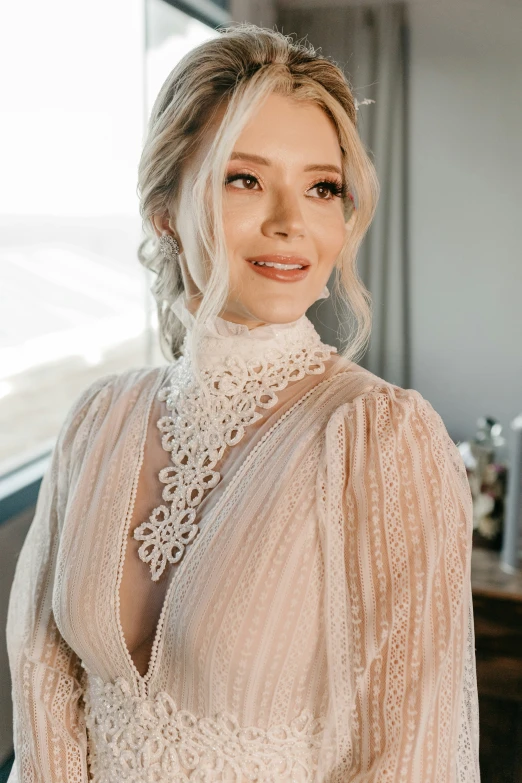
[466,202]
[260,12]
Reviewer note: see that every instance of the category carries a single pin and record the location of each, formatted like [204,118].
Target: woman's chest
[242,608]
[244,601]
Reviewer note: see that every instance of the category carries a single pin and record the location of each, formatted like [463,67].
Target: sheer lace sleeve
[48,728]
[396,512]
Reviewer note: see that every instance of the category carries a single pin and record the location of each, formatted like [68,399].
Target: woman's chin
[270,313]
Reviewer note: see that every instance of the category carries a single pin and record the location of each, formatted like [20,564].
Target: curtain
[370,43]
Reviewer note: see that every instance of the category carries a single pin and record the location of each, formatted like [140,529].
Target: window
[74,300]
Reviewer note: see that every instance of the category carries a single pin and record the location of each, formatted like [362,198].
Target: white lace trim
[238,375]
[133,739]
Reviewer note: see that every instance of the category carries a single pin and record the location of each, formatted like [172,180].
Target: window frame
[204,11]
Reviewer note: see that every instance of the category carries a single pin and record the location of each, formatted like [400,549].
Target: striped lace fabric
[318,628]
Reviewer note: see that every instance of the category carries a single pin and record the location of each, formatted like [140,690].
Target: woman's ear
[161,224]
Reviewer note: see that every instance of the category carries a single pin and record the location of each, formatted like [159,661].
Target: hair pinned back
[241,67]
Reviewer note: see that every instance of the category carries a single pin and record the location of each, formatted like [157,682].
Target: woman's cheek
[241,223]
[330,232]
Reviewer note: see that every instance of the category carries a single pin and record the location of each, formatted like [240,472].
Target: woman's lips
[282,275]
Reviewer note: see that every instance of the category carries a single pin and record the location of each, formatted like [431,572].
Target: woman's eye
[248,179]
[329,189]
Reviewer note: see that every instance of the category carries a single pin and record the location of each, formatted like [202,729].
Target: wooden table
[497,609]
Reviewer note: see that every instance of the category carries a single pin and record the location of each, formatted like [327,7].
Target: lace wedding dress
[315,528]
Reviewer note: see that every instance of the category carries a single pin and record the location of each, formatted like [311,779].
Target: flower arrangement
[488,492]
[487,478]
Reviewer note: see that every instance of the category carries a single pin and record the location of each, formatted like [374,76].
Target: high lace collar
[242,371]
[221,338]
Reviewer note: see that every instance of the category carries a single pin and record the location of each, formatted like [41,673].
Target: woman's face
[282,202]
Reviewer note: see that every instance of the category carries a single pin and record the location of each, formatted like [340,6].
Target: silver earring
[169,247]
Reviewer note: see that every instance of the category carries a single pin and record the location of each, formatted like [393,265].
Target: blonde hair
[242,66]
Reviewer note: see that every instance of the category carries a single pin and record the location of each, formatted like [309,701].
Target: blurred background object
[510,555]
[442,259]
[487,471]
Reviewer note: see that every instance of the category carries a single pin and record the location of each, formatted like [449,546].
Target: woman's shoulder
[129,384]
[107,394]
[392,420]
[359,383]
[366,392]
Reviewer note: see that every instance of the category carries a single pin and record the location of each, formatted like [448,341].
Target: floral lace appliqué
[211,414]
[133,739]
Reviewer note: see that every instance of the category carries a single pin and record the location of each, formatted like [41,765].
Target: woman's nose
[285,218]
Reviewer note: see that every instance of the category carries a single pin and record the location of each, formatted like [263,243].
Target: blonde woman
[253,563]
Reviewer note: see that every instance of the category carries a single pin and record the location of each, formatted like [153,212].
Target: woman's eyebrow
[265,162]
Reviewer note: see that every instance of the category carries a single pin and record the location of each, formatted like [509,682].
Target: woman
[252,564]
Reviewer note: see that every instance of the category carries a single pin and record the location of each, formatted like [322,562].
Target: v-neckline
[142,682]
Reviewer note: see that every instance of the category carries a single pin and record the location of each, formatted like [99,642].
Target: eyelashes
[335,187]
[234,177]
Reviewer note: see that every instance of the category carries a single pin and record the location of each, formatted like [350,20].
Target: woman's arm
[397,516]
[49,733]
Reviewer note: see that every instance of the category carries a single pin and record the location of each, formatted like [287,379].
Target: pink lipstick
[285,269]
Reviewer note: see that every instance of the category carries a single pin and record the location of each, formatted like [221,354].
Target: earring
[169,247]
